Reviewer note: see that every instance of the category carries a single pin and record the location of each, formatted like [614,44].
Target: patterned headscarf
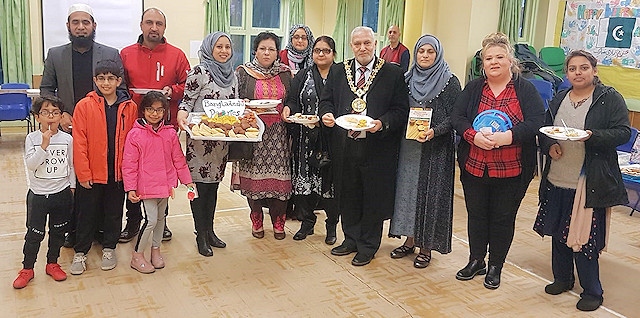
[222,72]
[295,56]
[426,83]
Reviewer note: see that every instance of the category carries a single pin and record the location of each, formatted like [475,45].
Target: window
[370,10]
[528,12]
[250,17]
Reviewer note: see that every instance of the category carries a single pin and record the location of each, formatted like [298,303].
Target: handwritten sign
[221,107]
[607,29]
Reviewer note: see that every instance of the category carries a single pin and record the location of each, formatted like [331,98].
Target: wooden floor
[269,278]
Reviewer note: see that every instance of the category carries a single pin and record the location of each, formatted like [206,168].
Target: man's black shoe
[342,250]
[69,240]
[492,280]
[361,259]
[130,231]
[557,288]
[166,234]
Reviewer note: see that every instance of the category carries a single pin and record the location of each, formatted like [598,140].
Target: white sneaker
[78,265]
[109,260]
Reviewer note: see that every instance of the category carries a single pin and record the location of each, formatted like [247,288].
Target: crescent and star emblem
[617,33]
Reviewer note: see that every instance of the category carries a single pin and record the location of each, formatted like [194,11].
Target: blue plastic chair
[628,147]
[545,89]
[15,106]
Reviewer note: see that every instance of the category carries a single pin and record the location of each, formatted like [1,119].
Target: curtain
[349,16]
[391,13]
[15,40]
[509,20]
[216,17]
[296,12]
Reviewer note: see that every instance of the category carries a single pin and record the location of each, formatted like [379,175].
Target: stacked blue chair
[545,89]
[15,106]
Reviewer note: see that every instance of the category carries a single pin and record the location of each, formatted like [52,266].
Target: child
[153,163]
[101,122]
[48,156]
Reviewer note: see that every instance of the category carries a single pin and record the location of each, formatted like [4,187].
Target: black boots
[331,234]
[130,231]
[203,246]
[473,268]
[214,241]
[492,280]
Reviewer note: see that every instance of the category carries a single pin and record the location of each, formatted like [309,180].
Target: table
[633,191]
[31,92]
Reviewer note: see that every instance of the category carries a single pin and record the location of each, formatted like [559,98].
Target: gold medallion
[358,105]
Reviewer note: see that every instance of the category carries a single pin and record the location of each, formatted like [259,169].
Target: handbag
[319,156]
[240,151]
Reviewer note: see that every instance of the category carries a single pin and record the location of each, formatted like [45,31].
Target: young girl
[49,160]
[152,164]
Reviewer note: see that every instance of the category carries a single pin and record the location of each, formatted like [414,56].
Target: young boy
[49,160]
[101,122]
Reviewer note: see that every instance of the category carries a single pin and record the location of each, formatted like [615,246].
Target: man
[364,163]
[68,71]
[396,52]
[152,63]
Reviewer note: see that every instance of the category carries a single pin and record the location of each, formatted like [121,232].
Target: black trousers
[492,204]
[134,211]
[103,202]
[203,207]
[362,229]
[58,207]
[308,203]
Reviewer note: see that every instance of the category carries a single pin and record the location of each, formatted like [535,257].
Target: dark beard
[82,41]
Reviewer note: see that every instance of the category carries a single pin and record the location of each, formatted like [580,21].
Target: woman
[310,184]
[297,55]
[213,78]
[586,171]
[424,194]
[266,177]
[495,167]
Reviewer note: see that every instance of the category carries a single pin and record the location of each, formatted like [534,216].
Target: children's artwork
[418,123]
[608,29]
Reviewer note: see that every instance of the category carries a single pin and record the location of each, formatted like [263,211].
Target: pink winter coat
[153,161]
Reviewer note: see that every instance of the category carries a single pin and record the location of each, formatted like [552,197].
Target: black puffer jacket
[608,120]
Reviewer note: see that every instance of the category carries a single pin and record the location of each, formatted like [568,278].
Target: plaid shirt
[503,162]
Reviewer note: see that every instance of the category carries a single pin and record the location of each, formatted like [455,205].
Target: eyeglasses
[106,79]
[300,37]
[54,113]
[151,110]
[324,51]
[267,49]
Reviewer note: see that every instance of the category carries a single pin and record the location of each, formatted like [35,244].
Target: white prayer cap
[80,7]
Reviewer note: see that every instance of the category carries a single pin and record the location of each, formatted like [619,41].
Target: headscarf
[258,71]
[222,72]
[426,83]
[295,56]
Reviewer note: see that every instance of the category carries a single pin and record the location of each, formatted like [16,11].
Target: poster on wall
[608,29]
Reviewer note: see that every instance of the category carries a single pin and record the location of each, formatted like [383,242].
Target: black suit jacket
[388,101]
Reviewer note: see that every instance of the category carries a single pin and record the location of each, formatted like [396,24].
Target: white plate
[558,133]
[304,119]
[194,118]
[143,91]
[263,103]
[350,122]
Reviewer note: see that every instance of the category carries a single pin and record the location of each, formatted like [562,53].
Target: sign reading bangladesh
[608,29]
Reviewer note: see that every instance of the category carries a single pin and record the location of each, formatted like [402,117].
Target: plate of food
[631,171]
[299,118]
[247,127]
[355,122]
[143,91]
[263,103]
[558,133]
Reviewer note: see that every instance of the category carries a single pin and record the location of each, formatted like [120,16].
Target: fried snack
[422,135]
